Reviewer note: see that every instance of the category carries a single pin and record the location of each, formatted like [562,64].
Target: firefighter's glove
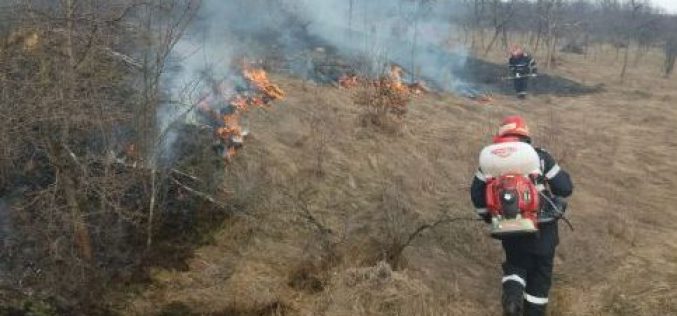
[561,203]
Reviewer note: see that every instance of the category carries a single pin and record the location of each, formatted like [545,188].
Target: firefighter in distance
[522,66]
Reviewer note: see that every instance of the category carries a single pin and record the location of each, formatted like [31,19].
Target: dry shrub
[310,277]
[274,309]
[551,136]
[71,99]
[376,290]
[561,301]
[181,309]
[249,179]
[399,222]
[323,129]
[385,103]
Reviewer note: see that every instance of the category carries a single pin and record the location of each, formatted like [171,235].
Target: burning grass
[391,80]
[228,106]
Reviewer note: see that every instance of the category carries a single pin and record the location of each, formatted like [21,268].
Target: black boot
[534,310]
[513,299]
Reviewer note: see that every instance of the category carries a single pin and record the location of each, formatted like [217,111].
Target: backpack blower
[511,169]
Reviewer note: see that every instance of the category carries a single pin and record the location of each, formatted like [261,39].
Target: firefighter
[527,270]
[521,66]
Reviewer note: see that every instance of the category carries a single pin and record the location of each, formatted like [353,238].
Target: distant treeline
[571,25]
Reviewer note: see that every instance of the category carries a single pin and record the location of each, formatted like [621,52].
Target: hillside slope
[326,198]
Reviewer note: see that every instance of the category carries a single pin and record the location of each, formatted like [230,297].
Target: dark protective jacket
[554,183]
[522,65]
[529,260]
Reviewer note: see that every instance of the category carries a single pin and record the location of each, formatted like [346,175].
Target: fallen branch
[428,226]
[121,162]
[184,174]
[202,195]
[75,158]
[432,225]
[307,214]
[127,59]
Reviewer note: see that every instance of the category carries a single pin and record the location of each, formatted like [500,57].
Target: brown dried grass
[619,261]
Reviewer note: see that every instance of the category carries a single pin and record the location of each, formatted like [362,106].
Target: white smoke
[411,33]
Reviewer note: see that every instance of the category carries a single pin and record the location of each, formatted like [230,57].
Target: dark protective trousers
[521,85]
[527,270]
[527,276]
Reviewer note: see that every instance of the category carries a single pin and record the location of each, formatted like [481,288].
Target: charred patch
[181,309]
[274,309]
[308,277]
[479,73]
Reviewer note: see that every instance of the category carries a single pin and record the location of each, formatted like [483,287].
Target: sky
[669,5]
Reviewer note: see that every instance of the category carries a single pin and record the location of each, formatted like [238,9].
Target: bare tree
[634,10]
[73,156]
[501,15]
[670,54]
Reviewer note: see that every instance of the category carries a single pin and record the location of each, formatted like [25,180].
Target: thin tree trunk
[586,43]
[639,54]
[548,54]
[482,37]
[625,61]
[69,36]
[81,236]
[350,16]
[669,64]
[538,41]
[493,40]
[414,43]
[504,39]
[80,230]
[151,208]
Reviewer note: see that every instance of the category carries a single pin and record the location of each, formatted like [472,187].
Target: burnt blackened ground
[488,76]
[441,68]
[475,76]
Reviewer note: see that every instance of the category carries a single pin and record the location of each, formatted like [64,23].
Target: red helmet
[513,125]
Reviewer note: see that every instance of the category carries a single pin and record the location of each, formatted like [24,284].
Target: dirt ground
[325,196]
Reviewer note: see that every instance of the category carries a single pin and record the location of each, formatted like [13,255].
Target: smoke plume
[288,34]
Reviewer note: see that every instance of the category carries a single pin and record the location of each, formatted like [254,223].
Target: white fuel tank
[510,157]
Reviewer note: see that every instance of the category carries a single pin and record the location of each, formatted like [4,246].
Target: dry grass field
[325,199]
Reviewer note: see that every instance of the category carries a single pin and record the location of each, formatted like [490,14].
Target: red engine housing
[512,194]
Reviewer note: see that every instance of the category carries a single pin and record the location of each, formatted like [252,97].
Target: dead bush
[385,103]
[77,166]
[181,309]
[397,218]
[309,276]
[274,309]
[323,130]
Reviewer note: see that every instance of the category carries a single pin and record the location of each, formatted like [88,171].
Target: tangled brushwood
[385,99]
[84,201]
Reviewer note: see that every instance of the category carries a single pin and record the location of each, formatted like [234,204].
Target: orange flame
[391,81]
[259,79]
[348,81]
[263,92]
